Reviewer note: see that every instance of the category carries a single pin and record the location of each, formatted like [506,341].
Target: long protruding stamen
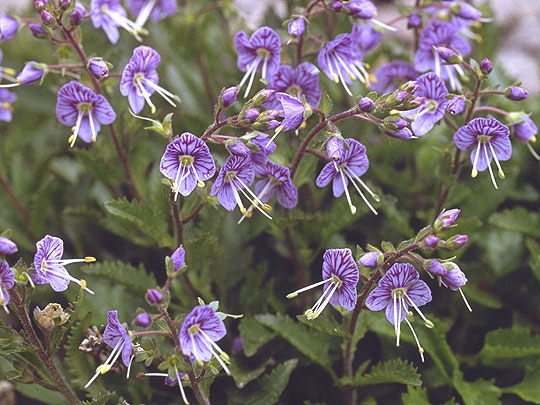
[350,175]
[465,300]
[317,309]
[67,276]
[420,348]
[106,366]
[215,349]
[500,173]
[397,316]
[146,95]
[263,192]
[347,195]
[489,167]
[474,171]
[75,134]
[166,94]
[250,72]
[251,196]
[411,302]
[126,24]
[92,126]
[309,287]
[145,12]
[184,398]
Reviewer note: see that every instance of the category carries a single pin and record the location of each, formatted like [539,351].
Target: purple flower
[293,112]
[451,276]
[140,78]
[116,337]
[456,105]
[109,15]
[143,320]
[79,106]
[397,289]
[228,96]
[277,180]
[363,9]
[446,219]
[340,276]
[179,258]
[440,34]
[456,242]
[365,37]
[261,51]
[49,266]
[6,110]
[516,93]
[98,67]
[389,77]
[264,147]
[202,327]
[348,166]
[235,176]
[37,30]
[525,129]
[7,281]
[302,81]
[432,242]
[366,104]
[370,259]
[158,9]
[296,27]
[78,14]
[188,162]
[7,246]
[154,296]
[8,27]
[31,73]
[341,61]
[489,139]
[432,93]
[486,66]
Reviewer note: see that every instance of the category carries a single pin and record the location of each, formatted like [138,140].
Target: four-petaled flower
[188,162]
[140,78]
[7,281]
[347,164]
[489,139]
[432,92]
[79,107]
[398,289]
[116,337]
[158,9]
[389,77]
[340,276]
[202,327]
[261,51]
[109,15]
[49,266]
[302,81]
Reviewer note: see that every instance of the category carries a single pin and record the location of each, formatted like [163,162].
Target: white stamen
[184,398]
[309,287]
[166,94]
[145,12]
[465,300]
[489,166]
[420,348]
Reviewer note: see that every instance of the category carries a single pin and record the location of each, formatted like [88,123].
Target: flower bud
[64,4]
[456,105]
[98,67]
[38,31]
[465,10]
[251,114]
[434,267]
[178,258]
[31,73]
[456,242]
[154,296]
[296,27]
[143,320]
[486,66]
[228,96]
[516,93]
[336,6]
[47,18]
[525,129]
[53,315]
[8,27]
[41,4]
[7,246]
[75,18]
[415,21]
[370,259]
[262,96]
[404,134]
[449,55]
[366,104]
[432,242]
[237,147]
[454,277]
[446,219]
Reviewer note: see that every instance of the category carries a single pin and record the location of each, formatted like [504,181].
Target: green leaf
[254,335]
[269,389]
[503,250]
[517,220]
[391,371]
[326,324]
[148,220]
[534,261]
[479,392]
[11,342]
[528,389]
[510,344]
[243,374]
[415,396]
[314,345]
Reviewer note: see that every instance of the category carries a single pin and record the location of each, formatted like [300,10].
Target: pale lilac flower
[340,276]
[365,37]
[49,265]
[179,258]
[489,139]
[31,73]
[7,281]
[450,275]
[79,107]
[398,289]
[188,162]
[140,79]
[109,15]
[157,9]
[8,27]
[456,105]
[261,51]
[516,93]
[370,259]
[201,328]
[293,112]
[228,96]
[296,27]
[276,180]
[431,92]
[6,110]
[302,81]
[389,77]
[116,337]
[7,246]
[348,165]
[98,67]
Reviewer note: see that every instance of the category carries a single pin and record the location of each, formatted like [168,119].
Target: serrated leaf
[528,389]
[314,345]
[534,261]
[147,219]
[479,392]
[517,220]
[415,396]
[503,344]
[391,371]
[270,387]
[326,324]
[242,374]
[254,335]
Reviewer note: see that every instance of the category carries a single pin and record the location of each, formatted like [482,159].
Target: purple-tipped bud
[266,125]
[336,6]
[366,104]
[365,10]
[37,31]
[435,267]
[296,27]
[251,114]
[523,127]
[516,93]
[456,242]
[456,105]
[154,296]
[262,96]
[228,96]
[449,55]
[47,18]
[404,134]
[432,242]
[454,277]
[98,67]
[7,246]
[179,258]
[8,27]
[64,4]
[465,10]
[75,18]
[32,72]
[415,21]
[486,66]
[41,4]
[370,259]
[446,219]
[237,147]
[143,320]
